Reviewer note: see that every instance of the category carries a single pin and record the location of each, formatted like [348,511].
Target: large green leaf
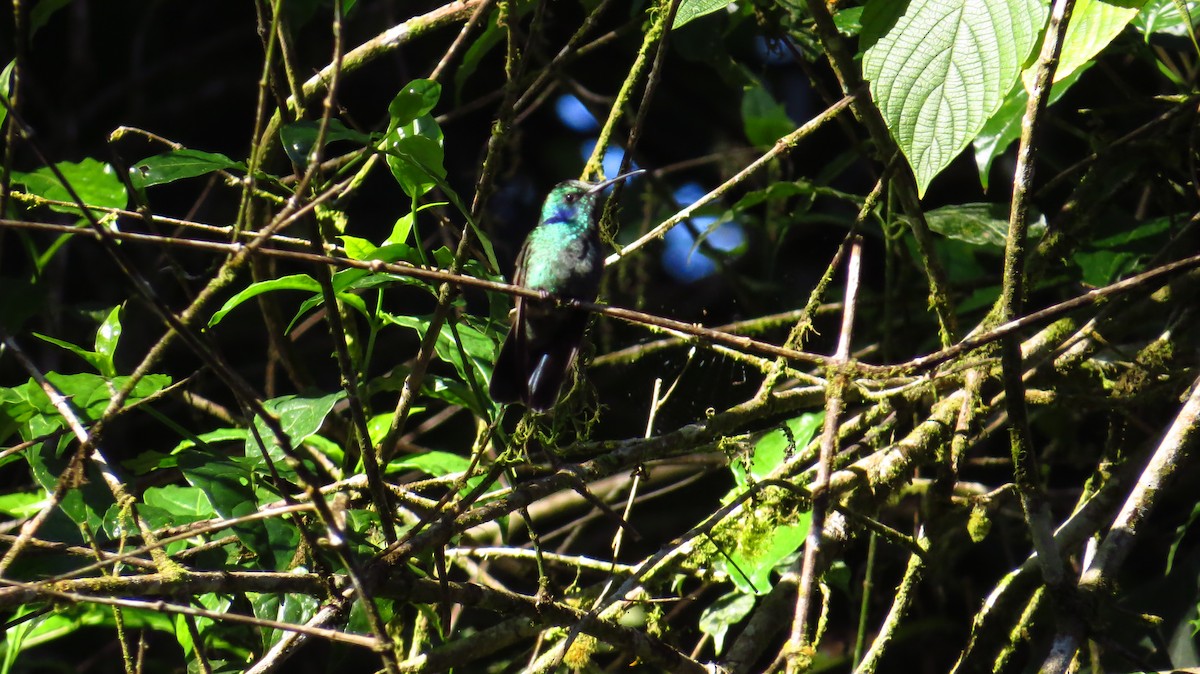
[228,484]
[178,165]
[298,418]
[943,68]
[751,563]
[95,182]
[1094,23]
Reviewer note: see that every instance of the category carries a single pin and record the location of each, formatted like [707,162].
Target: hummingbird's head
[573,201]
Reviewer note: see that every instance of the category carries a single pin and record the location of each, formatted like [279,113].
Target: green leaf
[773,448]
[480,350]
[690,10]
[725,612]
[357,248]
[227,484]
[295,609]
[943,69]
[1094,23]
[415,156]
[298,418]
[848,20]
[417,98]
[107,337]
[764,119]
[487,40]
[27,409]
[1108,258]
[87,503]
[178,165]
[5,83]
[223,482]
[40,14]
[979,224]
[14,637]
[433,463]
[185,504]
[1157,16]
[298,138]
[22,504]
[1005,126]
[95,182]
[749,567]
[759,552]
[293,282]
[93,359]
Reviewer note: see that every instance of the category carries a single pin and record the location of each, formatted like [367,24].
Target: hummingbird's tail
[509,382]
[533,371]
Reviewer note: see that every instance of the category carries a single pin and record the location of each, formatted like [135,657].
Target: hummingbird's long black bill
[598,187]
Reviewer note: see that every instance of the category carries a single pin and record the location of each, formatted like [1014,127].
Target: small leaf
[93,359]
[293,282]
[725,612]
[178,165]
[107,337]
[189,504]
[1108,258]
[773,192]
[482,45]
[42,11]
[979,224]
[417,98]
[19,505]
[5,83]
[415,156]
[299,137]
[433,463]
[690,10]
[764,119]
[95,182]
[357,248]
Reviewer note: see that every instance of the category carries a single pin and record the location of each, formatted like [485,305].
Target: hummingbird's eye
[571,197]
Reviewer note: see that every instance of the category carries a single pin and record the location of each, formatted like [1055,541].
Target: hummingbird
[560,257]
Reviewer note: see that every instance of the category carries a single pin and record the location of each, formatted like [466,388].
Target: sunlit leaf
[96,184]
[943,68]
[690,10]
[179,165]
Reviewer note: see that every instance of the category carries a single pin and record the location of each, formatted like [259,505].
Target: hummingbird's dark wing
[510,376]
